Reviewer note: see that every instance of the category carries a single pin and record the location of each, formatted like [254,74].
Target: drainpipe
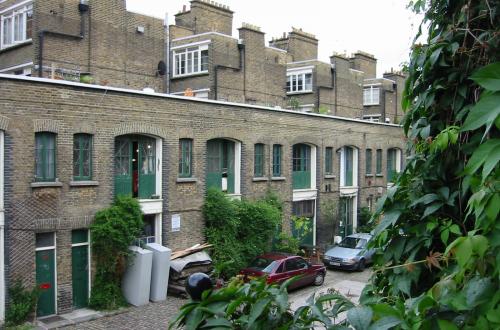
[395,87]
[241,48]
[83,8]
[334,77]
[167,55]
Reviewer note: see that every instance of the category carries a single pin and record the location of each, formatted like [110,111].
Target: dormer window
[190,60]
[371,95]
[16,26]
[299,80]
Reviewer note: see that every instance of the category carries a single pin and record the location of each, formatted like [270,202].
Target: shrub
[22,304]
[364,223]
[113,231]
[286,243]
[238,230]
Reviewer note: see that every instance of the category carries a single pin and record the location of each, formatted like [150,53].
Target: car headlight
[349,260]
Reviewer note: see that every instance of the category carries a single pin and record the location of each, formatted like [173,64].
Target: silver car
[350,253]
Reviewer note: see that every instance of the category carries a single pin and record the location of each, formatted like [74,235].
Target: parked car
[350,253]
[279,267]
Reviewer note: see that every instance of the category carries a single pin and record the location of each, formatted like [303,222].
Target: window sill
[204,73]
[299,92]
[379,175]
[330,176]
[83,183]
[260,179]
[369,175]
[278,178]
[14,46]
[54,184]
[186,180]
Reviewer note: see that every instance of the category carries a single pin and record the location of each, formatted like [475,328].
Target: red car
[279,267]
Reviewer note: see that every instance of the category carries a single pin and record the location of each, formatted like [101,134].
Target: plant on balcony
[114,229]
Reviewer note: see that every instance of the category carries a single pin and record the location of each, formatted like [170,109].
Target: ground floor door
[80,268]
[346,215]
[45,280]
[302,223]
[80,272]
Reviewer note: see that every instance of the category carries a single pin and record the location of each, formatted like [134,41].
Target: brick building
[69,148]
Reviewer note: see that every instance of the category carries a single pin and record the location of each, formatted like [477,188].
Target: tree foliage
[239,230]
[114,229]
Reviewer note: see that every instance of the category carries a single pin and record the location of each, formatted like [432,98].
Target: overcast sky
[384,28]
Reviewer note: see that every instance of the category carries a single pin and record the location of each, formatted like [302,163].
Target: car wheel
[319,279]
[361,265]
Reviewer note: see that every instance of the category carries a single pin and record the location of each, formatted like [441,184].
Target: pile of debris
[186,262]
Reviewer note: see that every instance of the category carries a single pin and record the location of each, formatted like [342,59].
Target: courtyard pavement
[157,315]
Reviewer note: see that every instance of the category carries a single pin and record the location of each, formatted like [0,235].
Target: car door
[293,268]
[307,274]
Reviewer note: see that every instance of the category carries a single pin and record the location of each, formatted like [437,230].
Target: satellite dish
[162,68]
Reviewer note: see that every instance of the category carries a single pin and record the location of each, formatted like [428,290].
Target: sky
[384,28]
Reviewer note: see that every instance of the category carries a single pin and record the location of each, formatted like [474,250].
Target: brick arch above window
[47,125]
[4,123]
[85,128]
[139,128]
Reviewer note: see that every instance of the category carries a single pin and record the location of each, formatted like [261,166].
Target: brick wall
[66,110]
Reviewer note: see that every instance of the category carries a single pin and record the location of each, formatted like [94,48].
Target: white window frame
[20,12]
[355,167]
[192,65]
[293,76]
[371,95]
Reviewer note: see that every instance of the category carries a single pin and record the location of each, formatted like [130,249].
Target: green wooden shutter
[214,164]
[276,160]
[368,161]
[301,175]
[230,167]
[82,157]
[329,160]
[185,158]
[123,166]
[391,164]
[348,166]
[258,167]
[379,162]
[147,167]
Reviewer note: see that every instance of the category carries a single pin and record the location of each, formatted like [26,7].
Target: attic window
[191,60]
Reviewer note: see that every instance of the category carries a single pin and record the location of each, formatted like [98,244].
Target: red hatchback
[279,267]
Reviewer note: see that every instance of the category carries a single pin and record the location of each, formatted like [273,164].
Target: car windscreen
[353,243]
[263,264]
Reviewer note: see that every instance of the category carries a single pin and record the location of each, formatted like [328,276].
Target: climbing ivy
[113,231]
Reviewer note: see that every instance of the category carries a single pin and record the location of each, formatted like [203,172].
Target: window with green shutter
[379,162]
[348,166]
[82,157]
[391,164]
[45,156]
[301,166]
[328,160]
[368,160]
[277,160]
[185,158]
[258,166]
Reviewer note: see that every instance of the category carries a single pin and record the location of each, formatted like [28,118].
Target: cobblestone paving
[152,316]
[157,315]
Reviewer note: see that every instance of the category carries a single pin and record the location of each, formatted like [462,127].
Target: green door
[220,164]
[45,280]
[123,166]
[214,164]
[301,162]
[80,275]
[346,216]
[147,169]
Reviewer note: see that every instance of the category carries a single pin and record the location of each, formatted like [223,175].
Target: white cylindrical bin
[159,271]
[136,282]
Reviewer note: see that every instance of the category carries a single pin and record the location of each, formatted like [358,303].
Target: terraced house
[219,118]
